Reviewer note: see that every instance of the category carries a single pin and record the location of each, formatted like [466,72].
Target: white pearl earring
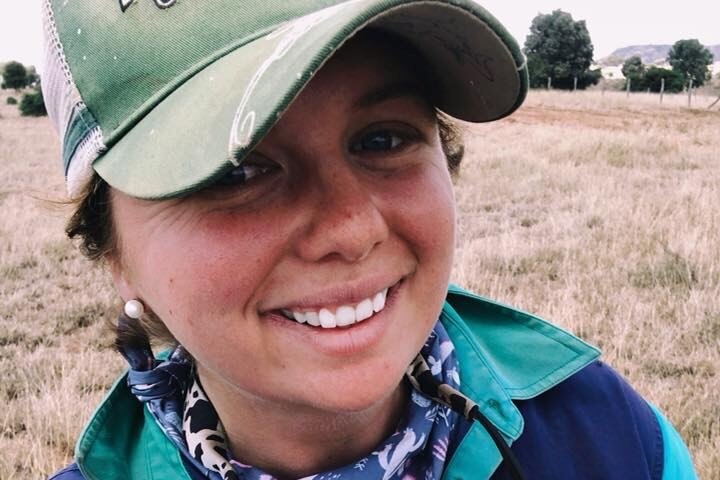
[134,309]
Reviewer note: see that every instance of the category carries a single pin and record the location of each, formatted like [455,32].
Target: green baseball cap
[163,97]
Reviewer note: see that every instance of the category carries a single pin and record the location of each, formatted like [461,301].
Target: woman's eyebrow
[392,91]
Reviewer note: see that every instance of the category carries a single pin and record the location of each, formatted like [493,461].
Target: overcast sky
[612,23]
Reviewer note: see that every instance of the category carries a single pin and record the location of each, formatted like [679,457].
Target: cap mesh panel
[62,100]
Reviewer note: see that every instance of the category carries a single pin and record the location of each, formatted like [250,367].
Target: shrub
[674,81]
[634,72]
[32,105]
[11,101]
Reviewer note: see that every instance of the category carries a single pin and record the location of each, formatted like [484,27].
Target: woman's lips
[338,342]
[342,315]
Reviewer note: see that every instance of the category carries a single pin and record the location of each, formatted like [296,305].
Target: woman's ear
[120,278]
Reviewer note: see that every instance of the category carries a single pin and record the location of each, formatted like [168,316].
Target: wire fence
[697,99]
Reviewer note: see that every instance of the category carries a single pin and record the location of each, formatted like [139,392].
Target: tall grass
[600,213]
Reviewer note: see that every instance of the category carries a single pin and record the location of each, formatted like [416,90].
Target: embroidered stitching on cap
[244,123]
[125,4]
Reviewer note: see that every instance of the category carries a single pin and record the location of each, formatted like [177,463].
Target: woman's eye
[244,173]
[381,141]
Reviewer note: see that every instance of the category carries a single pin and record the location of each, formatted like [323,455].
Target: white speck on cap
[79,30]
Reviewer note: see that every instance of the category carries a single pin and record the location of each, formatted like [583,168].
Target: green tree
[33,105]
[674,82]
[14,75]
[691,59]
[33,78]
[538,70]
[559,47]
[590,77]
[634,71]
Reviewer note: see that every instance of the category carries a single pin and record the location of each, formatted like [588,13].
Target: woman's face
[347,199]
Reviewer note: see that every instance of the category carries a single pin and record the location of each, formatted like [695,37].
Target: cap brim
[203,128]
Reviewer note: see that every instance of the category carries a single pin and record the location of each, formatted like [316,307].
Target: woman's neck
[294,442]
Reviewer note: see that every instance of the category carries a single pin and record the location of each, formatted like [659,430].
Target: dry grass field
[601,213]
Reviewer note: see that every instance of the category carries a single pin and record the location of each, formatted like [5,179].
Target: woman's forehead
[370,69]
[375,53]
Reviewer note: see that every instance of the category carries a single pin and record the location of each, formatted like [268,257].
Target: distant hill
[650,54]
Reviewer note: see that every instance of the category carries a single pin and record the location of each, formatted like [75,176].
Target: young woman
[270,186]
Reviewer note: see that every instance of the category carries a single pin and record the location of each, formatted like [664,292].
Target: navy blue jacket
[613,432]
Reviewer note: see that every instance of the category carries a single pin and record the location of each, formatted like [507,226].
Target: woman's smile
[343,315]
[335,304]
[322,331]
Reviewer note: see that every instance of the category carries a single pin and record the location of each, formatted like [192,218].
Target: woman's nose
[345,221]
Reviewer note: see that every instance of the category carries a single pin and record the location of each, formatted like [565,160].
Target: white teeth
[364,310]
[344,315]
[312,318]
[378,301]
[327,318]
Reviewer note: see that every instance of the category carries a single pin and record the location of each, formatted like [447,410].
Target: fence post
[714,103]
[690,84]
[549,83]
[574,84]
[662,89]
[629,82]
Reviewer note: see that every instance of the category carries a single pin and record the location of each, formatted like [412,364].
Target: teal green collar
[504,354]
[122,442]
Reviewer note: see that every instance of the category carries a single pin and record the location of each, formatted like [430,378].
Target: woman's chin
[351,394]
[359,399]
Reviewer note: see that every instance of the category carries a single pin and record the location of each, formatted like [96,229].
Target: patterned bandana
[426,436]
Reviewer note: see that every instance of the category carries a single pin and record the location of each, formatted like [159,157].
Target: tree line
[559,53]
[689,61]
[15,76]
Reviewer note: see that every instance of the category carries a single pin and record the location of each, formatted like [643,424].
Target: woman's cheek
[209,270]
[424,210]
